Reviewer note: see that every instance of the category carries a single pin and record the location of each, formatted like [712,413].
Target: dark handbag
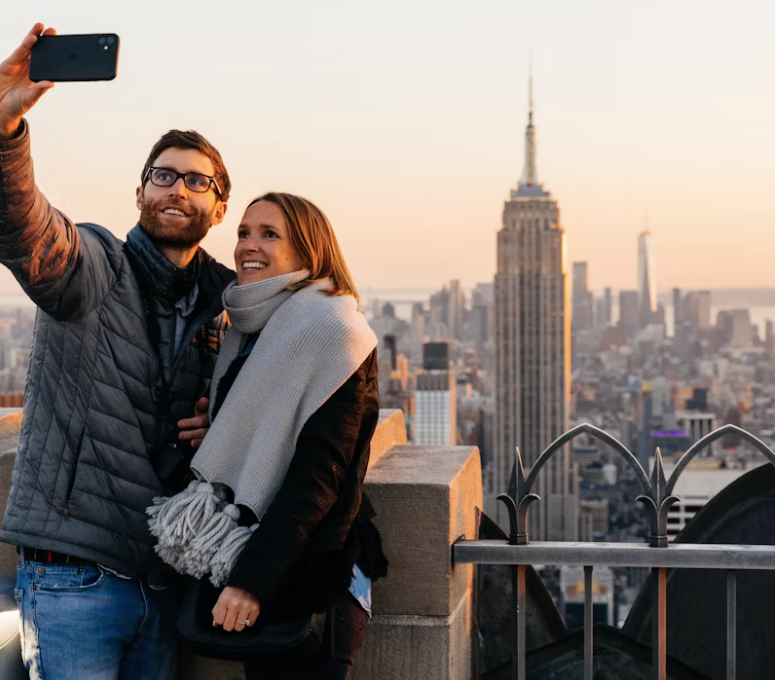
[301,635]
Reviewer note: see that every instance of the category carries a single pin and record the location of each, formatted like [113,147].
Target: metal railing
[657,497]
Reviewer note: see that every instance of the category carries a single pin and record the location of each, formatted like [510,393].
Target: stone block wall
[423,626]
[10,428]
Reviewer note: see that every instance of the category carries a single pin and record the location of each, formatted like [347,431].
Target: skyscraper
[628,311]
[647,282]
[677,311]
[435,405]
[532,340]
[581,307]
[608,307]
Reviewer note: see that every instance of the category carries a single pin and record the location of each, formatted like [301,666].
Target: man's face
[176,216]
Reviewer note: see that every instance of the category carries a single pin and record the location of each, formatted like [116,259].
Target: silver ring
[246,622]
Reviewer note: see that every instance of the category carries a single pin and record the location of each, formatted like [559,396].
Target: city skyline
[406,132]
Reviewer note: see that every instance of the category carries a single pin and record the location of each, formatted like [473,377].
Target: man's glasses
[194,181]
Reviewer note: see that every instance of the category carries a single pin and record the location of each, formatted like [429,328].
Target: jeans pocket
[61,578]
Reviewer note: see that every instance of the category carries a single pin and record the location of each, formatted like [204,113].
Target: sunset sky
[404,122]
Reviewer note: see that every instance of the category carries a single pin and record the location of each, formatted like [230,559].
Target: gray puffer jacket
[102,395]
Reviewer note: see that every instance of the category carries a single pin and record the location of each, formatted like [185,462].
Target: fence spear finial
[517,501]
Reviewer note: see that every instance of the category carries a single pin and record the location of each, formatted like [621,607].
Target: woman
[294,406]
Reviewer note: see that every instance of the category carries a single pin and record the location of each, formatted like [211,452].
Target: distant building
[677,309]
[480,323]
[736,328]
[482,312]
[393,380]
[629,311]
[417,332]
[455,310]
[608,300]
[593,519]
[698,425]
[572,590]
[601,313]
[703,309]
[582,308]
[694,310]
[435,356]
[647,281]
[386,361]
[532,352]
[435,399]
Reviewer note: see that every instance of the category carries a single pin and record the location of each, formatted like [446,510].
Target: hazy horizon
[405,123]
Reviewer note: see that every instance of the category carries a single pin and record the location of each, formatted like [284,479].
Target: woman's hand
[236,609]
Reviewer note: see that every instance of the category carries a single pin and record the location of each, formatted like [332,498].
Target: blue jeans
[83,623]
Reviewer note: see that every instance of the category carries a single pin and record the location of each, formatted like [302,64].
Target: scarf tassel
[225,557]
[190,530]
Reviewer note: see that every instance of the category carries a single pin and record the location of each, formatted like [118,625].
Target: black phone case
[63,58]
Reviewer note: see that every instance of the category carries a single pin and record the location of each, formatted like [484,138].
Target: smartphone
[69,58]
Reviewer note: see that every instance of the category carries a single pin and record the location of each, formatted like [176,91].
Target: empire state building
[532,357]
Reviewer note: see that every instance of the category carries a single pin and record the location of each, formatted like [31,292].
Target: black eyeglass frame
[178,175]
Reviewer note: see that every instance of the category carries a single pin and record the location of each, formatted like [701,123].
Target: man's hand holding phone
[18,94]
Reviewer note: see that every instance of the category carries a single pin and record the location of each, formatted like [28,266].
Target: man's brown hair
[190,139]
[313,238]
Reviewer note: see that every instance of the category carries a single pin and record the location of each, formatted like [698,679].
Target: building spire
[530,91]
[530,174]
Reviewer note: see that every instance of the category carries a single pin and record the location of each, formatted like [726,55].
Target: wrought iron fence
[657,555]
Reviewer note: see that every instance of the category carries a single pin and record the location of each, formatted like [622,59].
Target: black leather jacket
[301,557]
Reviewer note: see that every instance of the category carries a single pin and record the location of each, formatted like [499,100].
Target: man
[125,341]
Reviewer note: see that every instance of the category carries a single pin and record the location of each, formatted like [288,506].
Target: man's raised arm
[41,246]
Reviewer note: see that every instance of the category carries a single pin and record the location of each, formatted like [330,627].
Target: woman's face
[264,247]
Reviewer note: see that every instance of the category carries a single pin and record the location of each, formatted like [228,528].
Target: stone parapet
[426,497]
[10,428]
[419,647]
[390,432]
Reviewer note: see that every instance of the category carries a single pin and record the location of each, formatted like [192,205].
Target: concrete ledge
[390,432]
[10,425]
[414,647]
[10,429]
[425,498]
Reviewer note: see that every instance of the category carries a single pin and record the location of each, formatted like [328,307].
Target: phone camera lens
[111,41]
[102,41]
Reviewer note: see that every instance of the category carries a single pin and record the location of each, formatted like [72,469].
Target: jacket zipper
[200,322]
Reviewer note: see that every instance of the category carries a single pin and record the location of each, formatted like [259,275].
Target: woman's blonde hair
[313,238]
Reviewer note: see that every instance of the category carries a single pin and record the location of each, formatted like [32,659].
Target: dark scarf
[158,276]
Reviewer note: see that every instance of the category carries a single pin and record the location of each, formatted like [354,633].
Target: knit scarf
[310,344]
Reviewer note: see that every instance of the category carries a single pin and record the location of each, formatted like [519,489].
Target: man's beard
[199,223]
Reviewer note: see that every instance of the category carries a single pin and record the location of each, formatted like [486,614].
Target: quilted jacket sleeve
[62,273]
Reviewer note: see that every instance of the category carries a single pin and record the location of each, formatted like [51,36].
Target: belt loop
[22,561]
